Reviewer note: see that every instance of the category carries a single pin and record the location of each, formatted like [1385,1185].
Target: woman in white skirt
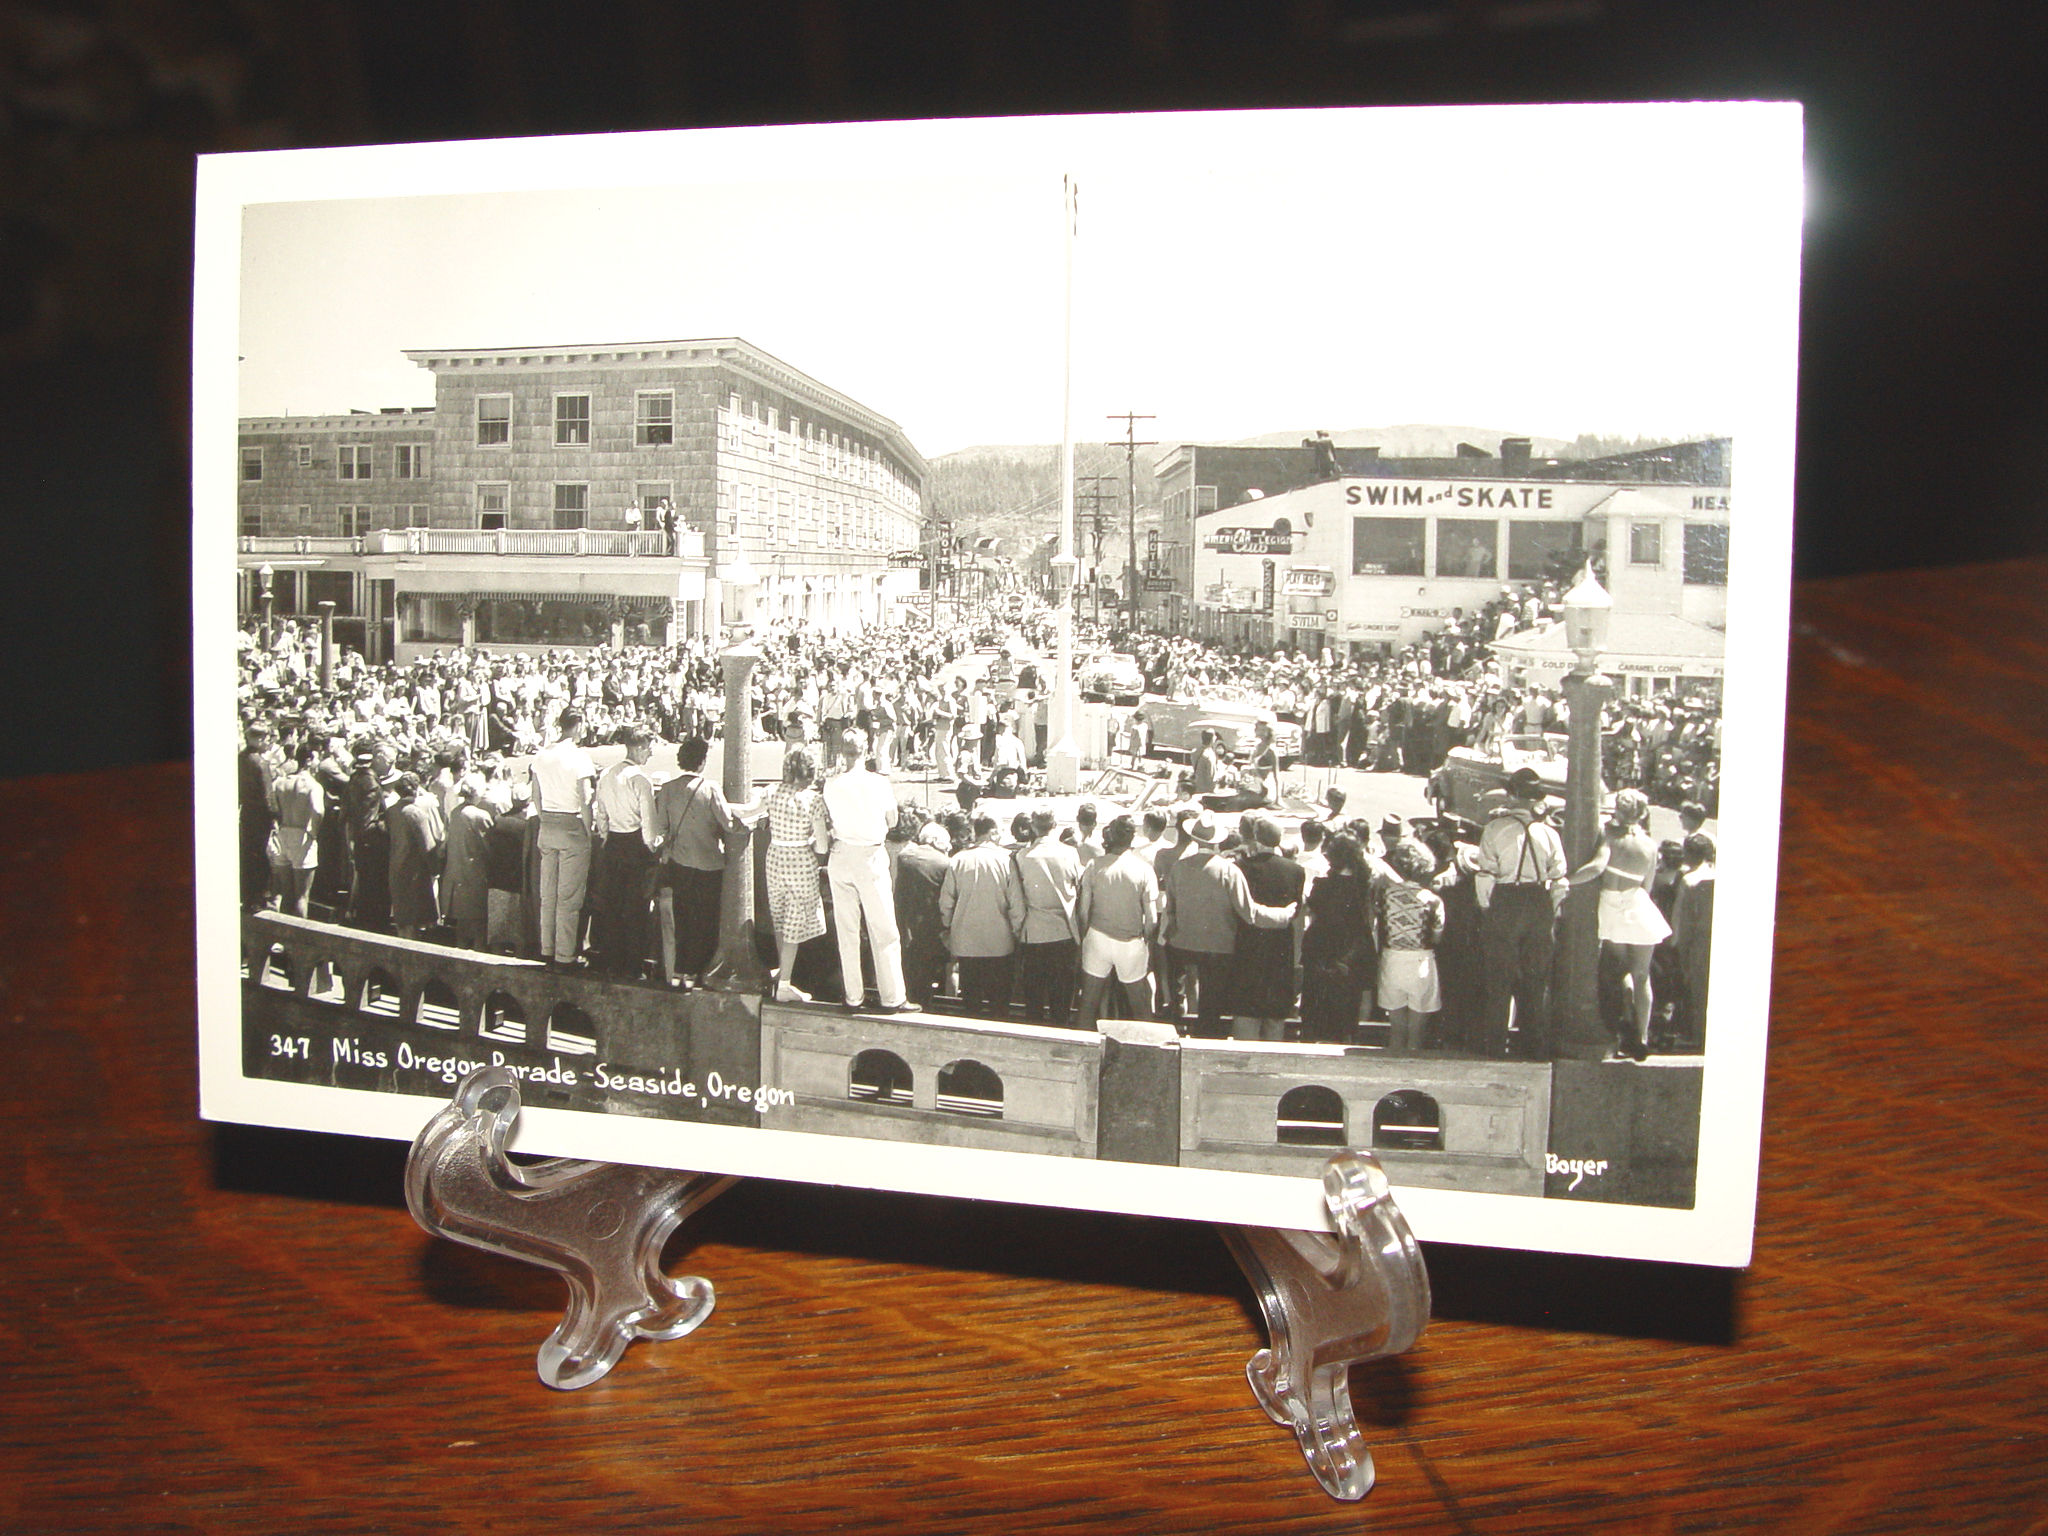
[1631,927]
[799,835]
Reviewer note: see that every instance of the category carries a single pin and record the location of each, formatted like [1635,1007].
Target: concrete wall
[1495,1115]
[1050,1079]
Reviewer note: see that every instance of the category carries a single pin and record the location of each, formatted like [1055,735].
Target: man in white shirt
[1009,750]
[562,778]
[861,807]
[623,863]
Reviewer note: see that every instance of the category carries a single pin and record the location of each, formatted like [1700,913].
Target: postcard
[1084,661]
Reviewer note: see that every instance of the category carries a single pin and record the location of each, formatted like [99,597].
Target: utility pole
[1095,498]
[1132,444]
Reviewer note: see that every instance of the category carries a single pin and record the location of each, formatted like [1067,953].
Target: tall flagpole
[1063,757]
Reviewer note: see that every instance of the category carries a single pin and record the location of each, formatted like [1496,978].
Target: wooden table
[223,1329]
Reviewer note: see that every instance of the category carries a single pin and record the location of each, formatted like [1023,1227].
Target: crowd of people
[455,799]
[1406,711]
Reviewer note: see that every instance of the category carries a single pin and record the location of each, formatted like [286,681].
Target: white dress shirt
[861,805]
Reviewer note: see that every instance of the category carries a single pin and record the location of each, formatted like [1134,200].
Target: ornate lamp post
[264,577]
[1587,610]
[737,966]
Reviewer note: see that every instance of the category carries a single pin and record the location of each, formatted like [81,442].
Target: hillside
[1011,492]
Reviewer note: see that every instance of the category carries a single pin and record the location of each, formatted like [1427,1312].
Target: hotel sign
[1310,581]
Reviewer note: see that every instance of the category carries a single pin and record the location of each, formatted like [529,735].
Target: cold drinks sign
[1276,540]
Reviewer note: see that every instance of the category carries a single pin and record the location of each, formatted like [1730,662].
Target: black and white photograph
[1085,661]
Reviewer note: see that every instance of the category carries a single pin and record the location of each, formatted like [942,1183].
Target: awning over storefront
[1638,644]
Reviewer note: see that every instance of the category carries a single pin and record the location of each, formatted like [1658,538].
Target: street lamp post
[737,965]
[1580,1033]
[264,577]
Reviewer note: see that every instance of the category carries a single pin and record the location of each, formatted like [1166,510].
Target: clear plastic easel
[1331,1300]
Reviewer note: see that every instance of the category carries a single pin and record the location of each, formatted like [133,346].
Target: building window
[572,421]
[1310,1116]
[355,521]
[355,461]
[252,522]
[493,419]
[252,463]
[493,504]
[411,461]
[1645,543]
[1545,551]
[1386,546]
[542,621]
[879,1077]
[1467,547]
[429,620]
[303,452]
[654,418]
[969,1088]
[1407,1121]
[1205,499]
[1706,554]
[336,587]
[572,505]
[650,494]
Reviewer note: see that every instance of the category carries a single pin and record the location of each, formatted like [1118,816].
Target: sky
[1615,270]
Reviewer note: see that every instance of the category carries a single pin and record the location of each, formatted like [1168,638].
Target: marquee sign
[1276,540]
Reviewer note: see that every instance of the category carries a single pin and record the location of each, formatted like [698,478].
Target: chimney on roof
[1514,455]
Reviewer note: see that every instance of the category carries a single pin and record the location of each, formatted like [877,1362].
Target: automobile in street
[1470,782]
[1110,675]
[1175,726]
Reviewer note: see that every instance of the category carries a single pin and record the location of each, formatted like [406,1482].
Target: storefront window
[336,587]
[1386,546]
[1539,550]
[503,621]
[1706,554]
[1467,547]
[425,620]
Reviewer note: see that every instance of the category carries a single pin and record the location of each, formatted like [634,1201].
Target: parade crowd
[455,800]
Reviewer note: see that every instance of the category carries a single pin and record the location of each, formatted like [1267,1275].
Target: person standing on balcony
[981,907]
[623,860]
[692,819]
[563,775]
[1117,911]
[465,877]
[799,838]
[861,805]
[415,829]
[1050,872]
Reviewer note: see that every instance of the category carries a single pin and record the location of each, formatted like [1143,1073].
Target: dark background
[1924,381]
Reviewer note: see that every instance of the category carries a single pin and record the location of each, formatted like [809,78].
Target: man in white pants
[861,807]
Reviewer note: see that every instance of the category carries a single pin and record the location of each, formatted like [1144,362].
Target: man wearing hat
[1204,896]
[1520,882]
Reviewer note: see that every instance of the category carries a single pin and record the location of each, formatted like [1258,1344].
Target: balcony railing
[291,544]
[613,542]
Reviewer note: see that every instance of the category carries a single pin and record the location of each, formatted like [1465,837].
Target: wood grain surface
[221,1329]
